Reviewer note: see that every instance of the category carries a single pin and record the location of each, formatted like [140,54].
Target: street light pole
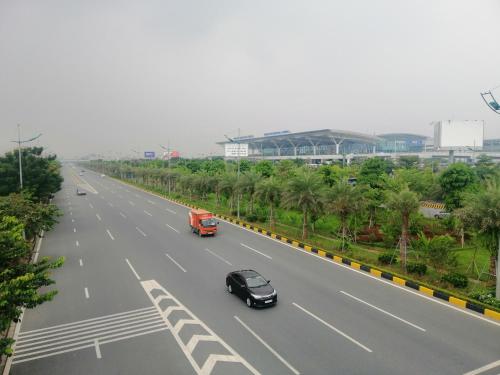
[238,173]
[19,142]
[19,152]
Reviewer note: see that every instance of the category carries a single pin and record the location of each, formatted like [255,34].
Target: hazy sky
[110,76]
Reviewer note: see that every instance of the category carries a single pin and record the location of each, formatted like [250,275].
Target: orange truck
[202,222]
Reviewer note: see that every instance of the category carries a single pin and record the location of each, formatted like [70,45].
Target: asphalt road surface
[140,294]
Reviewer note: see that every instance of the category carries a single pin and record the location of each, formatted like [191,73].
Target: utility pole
[19,142]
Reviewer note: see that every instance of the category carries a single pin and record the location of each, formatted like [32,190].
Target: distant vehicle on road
[103,175]
[80,174]
[442,215]
[202,222]
[252,287]
[80,192]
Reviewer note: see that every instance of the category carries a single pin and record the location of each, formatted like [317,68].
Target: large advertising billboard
[233,150]
[454,135]
[149,154]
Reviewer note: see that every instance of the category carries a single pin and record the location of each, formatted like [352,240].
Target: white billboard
[453,135]
[231,150]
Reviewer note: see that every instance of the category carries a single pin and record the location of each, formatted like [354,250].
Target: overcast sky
[110,76]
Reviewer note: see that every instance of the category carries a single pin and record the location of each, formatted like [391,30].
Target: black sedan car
[250,286]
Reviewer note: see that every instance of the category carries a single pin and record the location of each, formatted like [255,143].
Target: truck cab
[202,222]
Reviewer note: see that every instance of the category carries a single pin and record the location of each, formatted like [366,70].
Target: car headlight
[275,292]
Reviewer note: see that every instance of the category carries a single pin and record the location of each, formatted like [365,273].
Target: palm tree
[228,187]
[305,192]
[483,214]
[268,192]
[247,184]
[344,200]
[405,203]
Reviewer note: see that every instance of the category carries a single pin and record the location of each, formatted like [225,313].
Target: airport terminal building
[322,145]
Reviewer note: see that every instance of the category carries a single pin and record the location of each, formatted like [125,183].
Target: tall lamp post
[19,142]
[237,141]
[168,153]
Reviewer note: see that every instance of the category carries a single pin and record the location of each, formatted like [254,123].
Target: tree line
[24,216]
[372,193]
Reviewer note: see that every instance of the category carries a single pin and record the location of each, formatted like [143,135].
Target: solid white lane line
[484,368]
[133,270]
[74,230]
[87,293]
[292,369]
[175,230]
[131,203]
[98,217]
[77,243]
[110,235]
[81,263]
[97,348]
[332,328]
[123,215]
[90,204]
[171,211]
[147,213]
[141,232]
[383,311]
[177,264]
[218,256]
[257,251]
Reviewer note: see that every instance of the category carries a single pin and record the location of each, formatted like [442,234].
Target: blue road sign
[149,154]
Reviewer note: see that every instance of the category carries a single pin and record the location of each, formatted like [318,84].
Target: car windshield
[208,222]
[256,281]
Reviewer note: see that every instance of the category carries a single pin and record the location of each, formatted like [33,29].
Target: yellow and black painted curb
[457,301]
[428,204]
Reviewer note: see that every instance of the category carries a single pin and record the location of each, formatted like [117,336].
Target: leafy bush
[456,279]
[251,217]
[485,296]
[440,252]
[416,267]
[387,258]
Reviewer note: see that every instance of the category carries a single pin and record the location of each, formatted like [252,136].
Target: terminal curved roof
[316,137]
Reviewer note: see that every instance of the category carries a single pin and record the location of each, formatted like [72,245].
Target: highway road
[141,294]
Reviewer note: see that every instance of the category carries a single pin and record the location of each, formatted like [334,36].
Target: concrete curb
[457,301]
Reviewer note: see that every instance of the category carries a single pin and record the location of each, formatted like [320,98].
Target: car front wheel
[249,302]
